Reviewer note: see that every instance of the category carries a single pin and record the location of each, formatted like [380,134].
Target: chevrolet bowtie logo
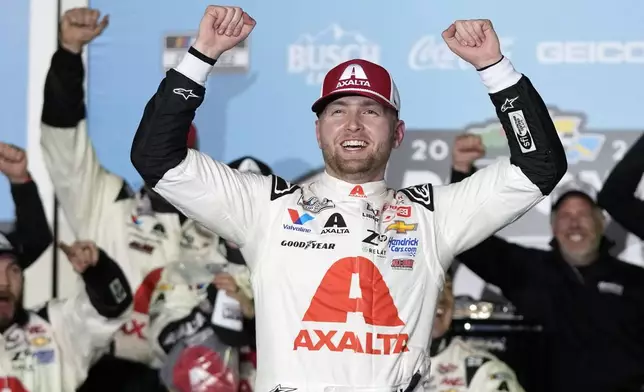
[401,227]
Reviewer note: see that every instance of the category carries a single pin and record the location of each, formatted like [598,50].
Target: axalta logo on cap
[353,76]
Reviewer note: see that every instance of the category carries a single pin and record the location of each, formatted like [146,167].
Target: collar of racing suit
[440,344]
[344,190]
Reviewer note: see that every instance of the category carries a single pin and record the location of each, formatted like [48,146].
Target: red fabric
[213,375]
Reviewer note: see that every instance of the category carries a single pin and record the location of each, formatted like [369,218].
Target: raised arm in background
[617,196]
[31,233]
[86,323]
[83,187]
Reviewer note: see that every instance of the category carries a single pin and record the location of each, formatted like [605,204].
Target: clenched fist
[475,41]
[222,28]
[13,163]
[467,149]
[79,26]
[82,254]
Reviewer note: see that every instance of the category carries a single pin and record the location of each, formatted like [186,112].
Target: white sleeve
[83,187]
[226,201]
[81,333]
[467,212]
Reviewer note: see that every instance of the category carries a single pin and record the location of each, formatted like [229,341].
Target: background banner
[586,61]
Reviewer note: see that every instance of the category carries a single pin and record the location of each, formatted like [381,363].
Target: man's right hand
[79,26]
[467,149]
[221,29]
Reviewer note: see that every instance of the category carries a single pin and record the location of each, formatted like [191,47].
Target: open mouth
[6,301]
[354,145]
[575,237]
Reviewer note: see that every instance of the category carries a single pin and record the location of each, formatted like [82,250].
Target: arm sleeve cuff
[194,69]
[499,76]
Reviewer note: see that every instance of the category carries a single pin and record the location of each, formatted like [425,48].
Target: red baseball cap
[358,77]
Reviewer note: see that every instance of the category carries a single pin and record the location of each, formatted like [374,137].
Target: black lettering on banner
[421,194]
[280,187]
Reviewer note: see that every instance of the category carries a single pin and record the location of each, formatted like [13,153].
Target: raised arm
[85,324]
[617,196]
[83,187]
[31,232]
[472,210]
[222,199]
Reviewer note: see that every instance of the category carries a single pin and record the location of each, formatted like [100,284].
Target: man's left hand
[475,41]
[13,163]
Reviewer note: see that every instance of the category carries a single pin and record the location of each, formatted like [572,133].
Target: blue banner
[14,46]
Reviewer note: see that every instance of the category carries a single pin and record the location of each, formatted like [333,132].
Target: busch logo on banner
[313,55]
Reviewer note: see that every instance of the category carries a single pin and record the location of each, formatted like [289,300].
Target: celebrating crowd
[226,277]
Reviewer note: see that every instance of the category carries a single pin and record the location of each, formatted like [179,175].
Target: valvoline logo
[298,221]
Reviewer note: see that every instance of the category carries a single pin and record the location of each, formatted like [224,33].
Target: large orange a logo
[331,302]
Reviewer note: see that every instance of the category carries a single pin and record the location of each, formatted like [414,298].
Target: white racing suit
[459,367]
[52,349]
[346,277]
[141,234]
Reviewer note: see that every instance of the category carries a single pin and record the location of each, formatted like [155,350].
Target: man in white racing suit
[139,229]
[52,348]
[456,365]
[345,271]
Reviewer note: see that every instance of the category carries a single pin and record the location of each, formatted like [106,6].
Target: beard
[356,167]
[9,306]
[580,256]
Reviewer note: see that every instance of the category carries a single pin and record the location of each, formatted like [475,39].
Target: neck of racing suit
[345,190]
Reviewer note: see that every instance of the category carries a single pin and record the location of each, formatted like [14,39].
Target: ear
[317,132]
[399,133]
[601,219]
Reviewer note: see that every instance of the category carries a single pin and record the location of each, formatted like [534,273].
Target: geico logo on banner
[333,302]
[590,52]
[314,54]
[431,52]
